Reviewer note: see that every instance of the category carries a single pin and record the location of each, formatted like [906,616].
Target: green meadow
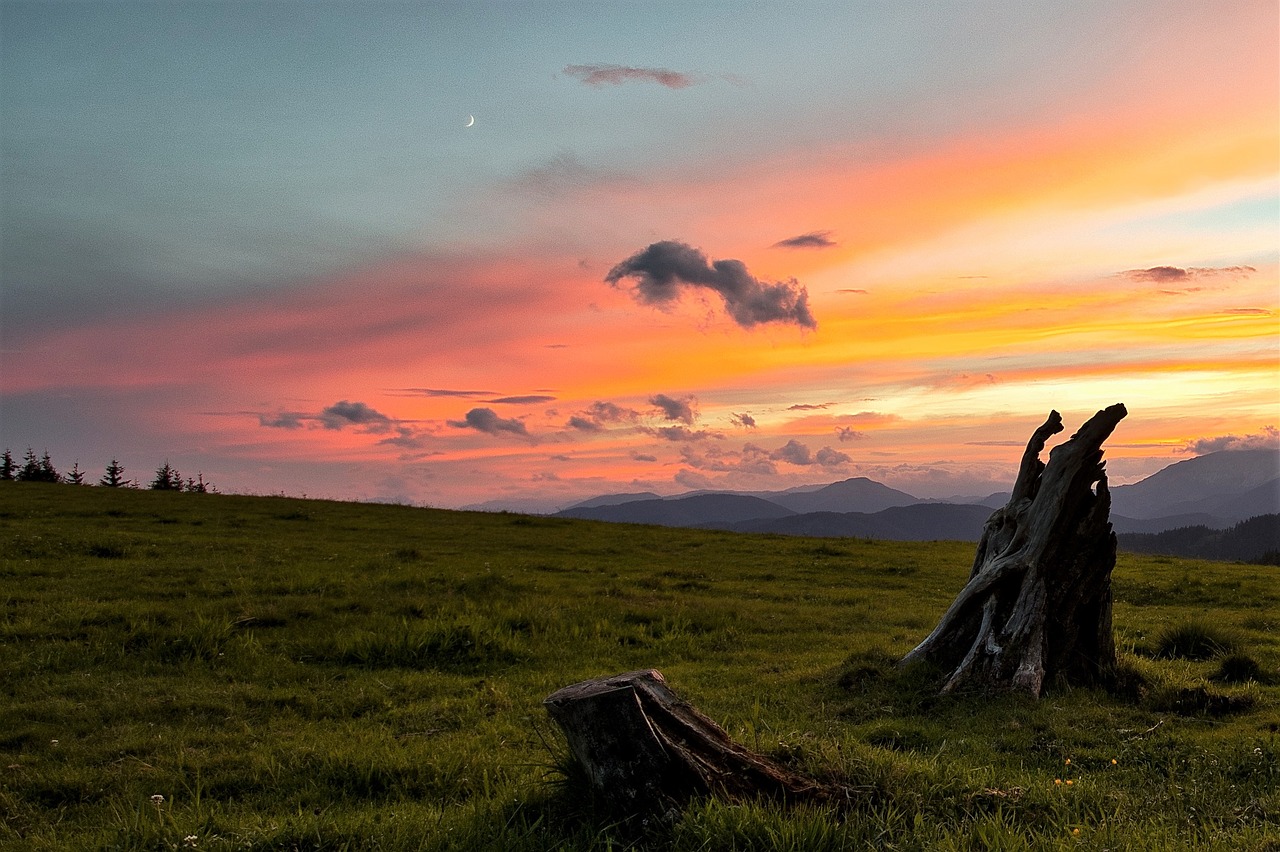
[198,671]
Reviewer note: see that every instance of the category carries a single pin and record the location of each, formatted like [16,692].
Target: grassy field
[222,672]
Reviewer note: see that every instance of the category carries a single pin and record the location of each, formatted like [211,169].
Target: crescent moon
[471,119]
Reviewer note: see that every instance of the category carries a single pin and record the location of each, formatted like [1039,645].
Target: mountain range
[1215,491]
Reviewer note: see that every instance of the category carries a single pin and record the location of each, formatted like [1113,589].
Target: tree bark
[644,749]
[1037,607]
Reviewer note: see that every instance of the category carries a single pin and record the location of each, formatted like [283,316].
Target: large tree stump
[1037,607]
[644,749]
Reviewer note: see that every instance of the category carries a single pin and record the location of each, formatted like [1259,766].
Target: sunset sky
[681,245]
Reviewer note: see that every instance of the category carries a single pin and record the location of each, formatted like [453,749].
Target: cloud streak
[1176,274]
[811,240]
[661,271]
[616,75]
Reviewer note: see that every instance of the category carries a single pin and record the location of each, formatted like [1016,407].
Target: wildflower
[53,743]
[157,800]
[1075,832]
[1057,781]
[1113,761]
[1070,782]
[1068,763]
[190,840]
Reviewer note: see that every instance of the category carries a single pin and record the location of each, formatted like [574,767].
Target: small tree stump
[644,749]
[1037,607]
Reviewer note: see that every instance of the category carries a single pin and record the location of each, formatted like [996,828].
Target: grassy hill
[225,672]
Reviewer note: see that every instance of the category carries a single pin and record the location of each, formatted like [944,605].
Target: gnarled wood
[643,748]
[1037,607]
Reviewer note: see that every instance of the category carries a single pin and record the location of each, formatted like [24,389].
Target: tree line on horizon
[33,469]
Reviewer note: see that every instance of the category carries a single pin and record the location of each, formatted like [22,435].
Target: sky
[517,254]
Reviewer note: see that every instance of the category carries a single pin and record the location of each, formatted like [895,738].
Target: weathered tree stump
[644,749]
[1037,607]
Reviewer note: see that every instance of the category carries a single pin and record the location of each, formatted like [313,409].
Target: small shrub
[1195,640]
[1238,668]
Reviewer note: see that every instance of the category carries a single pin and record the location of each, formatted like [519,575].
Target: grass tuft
[1195,640]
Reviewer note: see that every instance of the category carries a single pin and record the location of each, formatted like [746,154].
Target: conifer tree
[47,472]
[30,470]
[167,479]
[76,475]
[114,477]
[198,485]
[8,467]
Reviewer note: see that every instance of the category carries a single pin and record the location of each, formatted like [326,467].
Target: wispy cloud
[599,415]
[682,433]
[744,420]
[664,268]
[442,392]
[616,75]
[1176,274]
[1267,439]
[813,239]
[531,399]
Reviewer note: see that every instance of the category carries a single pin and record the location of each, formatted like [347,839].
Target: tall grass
[304,674]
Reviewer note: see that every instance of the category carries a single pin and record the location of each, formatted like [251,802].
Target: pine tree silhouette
[114,476]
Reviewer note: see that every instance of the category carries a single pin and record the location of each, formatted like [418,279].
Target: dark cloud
[1249,312]
[487,420]
[616,75]
[848,433]
[662,269]
[827,457]
[796,453]
[793,452]
[813,239]
[342,414]
[643,457]
[744,420]
[675,409]
[853,290]
[1268,439]
[805,406]
[1162,274]
[1175,274]
[532,399]
[599,415]
[283,420]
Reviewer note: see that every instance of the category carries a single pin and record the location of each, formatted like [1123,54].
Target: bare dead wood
[644,748]
[1037,607]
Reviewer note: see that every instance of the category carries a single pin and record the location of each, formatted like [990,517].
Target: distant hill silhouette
[615,500]
[851,495]
[1232,485]
[699,510]
[1210,492]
